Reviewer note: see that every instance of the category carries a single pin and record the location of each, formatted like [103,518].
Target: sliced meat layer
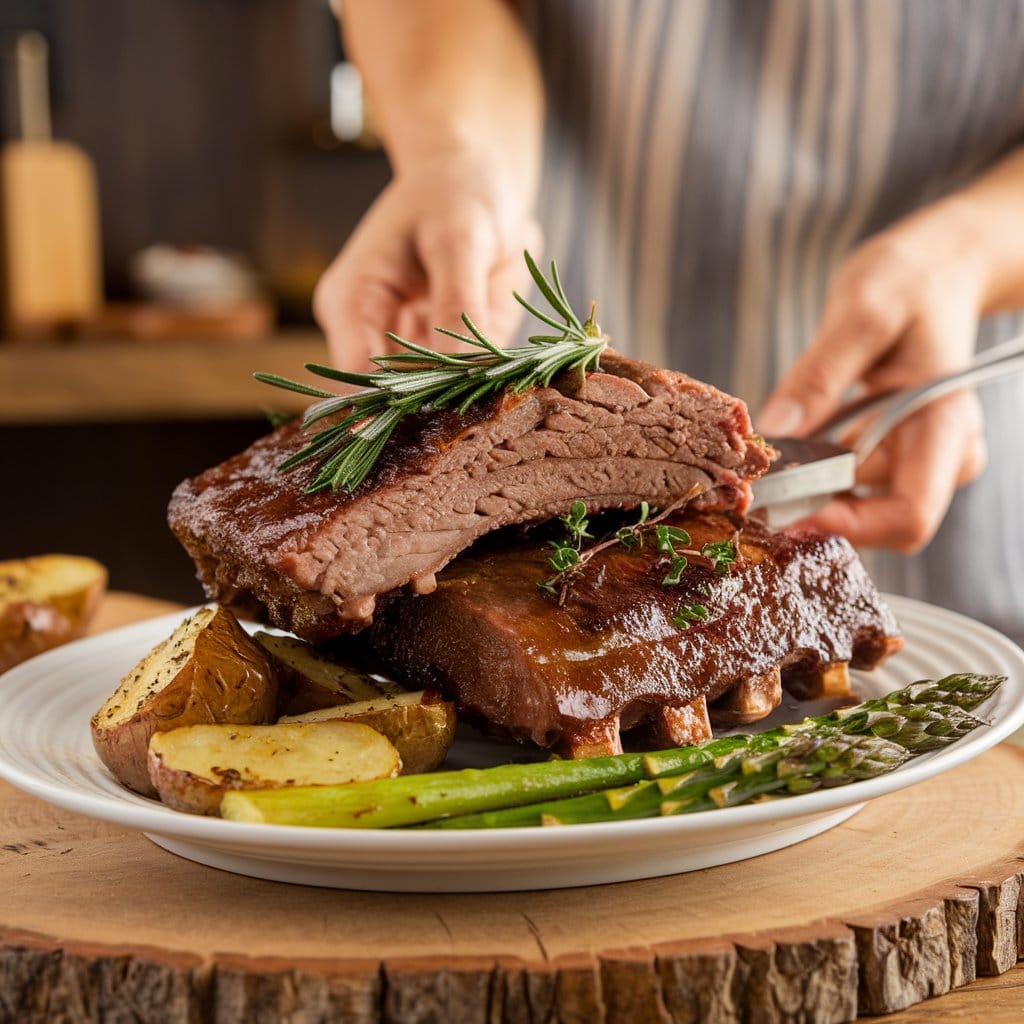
[316,563]
[795,608]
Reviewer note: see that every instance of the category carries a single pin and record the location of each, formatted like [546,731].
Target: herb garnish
[574,559]
[689,613]
[576,523]
[722,554]
[569,558]
[567,553]
[422,380]
[667,538]
[632,536]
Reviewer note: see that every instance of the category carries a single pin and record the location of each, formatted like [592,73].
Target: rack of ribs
[792,613]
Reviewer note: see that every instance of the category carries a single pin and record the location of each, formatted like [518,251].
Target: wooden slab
[915,895]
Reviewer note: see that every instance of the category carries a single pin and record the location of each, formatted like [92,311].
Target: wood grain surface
[117,381]
[913,897]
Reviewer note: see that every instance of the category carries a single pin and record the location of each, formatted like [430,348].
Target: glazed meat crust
[316,563]
[795,609]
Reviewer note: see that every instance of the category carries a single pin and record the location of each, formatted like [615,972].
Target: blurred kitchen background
[175,175]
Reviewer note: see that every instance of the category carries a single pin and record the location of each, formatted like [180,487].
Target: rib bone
[749,700]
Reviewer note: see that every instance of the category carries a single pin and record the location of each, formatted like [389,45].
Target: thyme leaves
[569,558]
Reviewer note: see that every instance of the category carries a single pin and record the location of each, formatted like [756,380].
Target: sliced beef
[316,563]
[795,609]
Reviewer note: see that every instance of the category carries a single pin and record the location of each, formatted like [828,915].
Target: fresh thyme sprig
[667,539]
[688,614]
[558,585]
[632,536]
[569,558]
[422,380]
[576,523]
[567,553]
[722,554]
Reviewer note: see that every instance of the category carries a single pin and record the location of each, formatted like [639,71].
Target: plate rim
[161,820]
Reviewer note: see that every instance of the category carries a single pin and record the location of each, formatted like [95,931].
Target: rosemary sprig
[422,380]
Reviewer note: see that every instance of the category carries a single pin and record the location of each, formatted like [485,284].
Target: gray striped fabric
[711,162]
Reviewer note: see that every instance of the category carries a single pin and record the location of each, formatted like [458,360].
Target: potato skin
[182,790]
[422,732]
[298,693]
[29,627]
[299,665]
[228,679]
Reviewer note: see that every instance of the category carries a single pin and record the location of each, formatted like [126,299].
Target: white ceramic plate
[45,749]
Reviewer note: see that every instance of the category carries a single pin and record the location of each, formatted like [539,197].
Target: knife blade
[806,474]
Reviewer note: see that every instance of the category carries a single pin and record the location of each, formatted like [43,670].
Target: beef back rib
[793,611]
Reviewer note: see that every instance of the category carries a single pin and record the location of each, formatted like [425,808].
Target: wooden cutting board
[49,214]
[916,895]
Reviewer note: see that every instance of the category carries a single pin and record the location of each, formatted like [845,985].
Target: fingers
[974,463]
[458,252]
[354,312]
[878,468]
[510,275]
[857,328]
[414,324]
[888,323]
[926,459]
[898,313]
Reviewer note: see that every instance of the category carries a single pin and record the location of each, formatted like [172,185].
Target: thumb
[354,312]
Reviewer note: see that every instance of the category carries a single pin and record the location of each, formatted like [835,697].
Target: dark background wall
[102,490]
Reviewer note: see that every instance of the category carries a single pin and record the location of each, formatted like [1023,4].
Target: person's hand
[901,310]
[438,242]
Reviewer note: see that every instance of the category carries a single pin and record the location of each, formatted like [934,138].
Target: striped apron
[710,163]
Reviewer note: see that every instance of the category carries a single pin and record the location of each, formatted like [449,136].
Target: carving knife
[809,471]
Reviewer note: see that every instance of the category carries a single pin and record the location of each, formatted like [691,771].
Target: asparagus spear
[797,764]
[409,799]
[900,717]
[917,728]
[965,690]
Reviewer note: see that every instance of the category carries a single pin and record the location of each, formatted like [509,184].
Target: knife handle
[30,56]
[892,407]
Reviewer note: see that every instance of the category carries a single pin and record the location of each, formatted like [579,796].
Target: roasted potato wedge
[420,725]
[192,768]
[209,671]
[311,679]
[44,602]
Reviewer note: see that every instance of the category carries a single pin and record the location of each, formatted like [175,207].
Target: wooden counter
[88,381]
